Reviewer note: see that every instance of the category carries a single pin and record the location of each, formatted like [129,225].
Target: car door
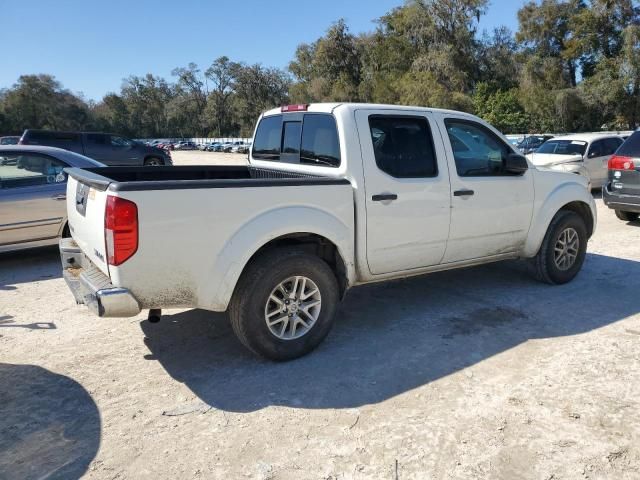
[98,147]
[594,160]
[32,197]
[490,208]
[123,152]
[406,189]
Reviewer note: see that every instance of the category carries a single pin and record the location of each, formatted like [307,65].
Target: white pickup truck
[334,196]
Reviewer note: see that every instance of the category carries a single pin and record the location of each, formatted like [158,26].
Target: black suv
[622,190]
[106,148]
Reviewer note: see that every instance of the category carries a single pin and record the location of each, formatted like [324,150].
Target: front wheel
[563,249]
[627,216]
[284,304]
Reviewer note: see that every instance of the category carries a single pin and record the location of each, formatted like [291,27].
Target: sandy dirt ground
[469,374]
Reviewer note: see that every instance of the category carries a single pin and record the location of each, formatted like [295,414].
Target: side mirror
[515,163]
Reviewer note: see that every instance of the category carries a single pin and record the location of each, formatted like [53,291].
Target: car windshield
[533,140]
[563,147]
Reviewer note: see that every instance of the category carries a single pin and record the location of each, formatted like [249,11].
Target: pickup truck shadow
[49,425]
[392,337]
[24,266]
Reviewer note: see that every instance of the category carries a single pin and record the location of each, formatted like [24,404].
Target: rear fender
[259,231]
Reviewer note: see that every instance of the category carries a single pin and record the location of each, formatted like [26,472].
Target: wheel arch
[568,196]
[320,233]
[314,244]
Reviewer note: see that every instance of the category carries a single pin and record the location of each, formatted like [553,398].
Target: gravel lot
[475,373]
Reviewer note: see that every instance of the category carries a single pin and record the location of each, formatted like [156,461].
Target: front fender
[562,194]
[260,230]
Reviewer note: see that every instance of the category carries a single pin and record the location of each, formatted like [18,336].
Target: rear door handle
[381,197]
[60,197]
[463,193]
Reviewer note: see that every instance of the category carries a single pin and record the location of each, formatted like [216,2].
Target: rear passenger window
[97,139]
[403,146]
[51,136]
[611,145]
[29,170]
[310,139]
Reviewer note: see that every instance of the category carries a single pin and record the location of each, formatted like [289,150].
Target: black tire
[153,162]
[627,216]
[247,306]
[546,269]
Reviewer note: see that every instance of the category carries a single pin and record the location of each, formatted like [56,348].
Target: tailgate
[85,211]
[626,182]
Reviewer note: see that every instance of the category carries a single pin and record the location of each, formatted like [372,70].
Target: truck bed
[121,179]
[199,225]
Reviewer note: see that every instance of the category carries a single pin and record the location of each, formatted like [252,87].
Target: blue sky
[90,45]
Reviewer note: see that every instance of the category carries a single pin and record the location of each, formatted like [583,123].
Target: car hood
[550,159]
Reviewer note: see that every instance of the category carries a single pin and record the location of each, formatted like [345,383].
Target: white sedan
[586,154]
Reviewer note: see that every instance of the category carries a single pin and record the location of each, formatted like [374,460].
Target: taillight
[300,107]
[120,229]
[618,162]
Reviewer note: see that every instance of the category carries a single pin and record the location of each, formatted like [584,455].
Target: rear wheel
[153,162]
[284,304]
[627,216]
[563,249]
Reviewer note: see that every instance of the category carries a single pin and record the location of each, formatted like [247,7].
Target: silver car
[33,187]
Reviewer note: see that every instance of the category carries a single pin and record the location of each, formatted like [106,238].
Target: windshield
[563,147]
[533,140]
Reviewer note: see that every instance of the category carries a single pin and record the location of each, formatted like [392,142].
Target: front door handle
[381,197]
[62,196]
[463,193]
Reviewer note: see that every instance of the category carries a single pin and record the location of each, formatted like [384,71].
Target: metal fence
[203,140]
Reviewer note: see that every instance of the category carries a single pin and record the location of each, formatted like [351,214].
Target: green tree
[330,68]
[545,30]
[501,108]
[257,89]
[219,106]
[40,101]
[146,99]
[187,107]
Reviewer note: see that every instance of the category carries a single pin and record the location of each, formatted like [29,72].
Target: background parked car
[586,154]
[107,148]
[622,190]
[185,145]
[532,143]
[211,147]
[33,185]
[243,148]
[9,140]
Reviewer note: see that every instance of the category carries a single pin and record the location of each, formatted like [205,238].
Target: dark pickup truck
[106,148]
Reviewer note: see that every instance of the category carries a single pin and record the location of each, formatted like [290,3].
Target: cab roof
[330,107]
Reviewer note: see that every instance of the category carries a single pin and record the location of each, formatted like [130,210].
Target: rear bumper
[91,287]
[618,201]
